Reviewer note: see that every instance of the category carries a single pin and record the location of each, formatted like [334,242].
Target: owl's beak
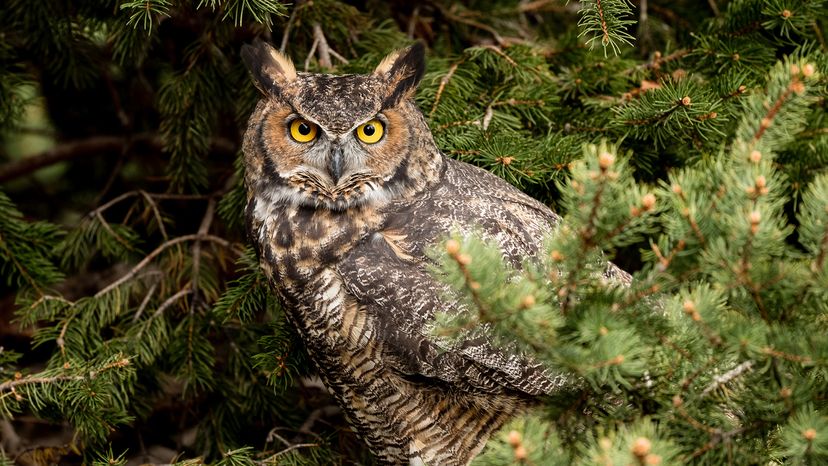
[335,164]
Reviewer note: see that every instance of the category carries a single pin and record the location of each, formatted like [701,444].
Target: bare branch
[323,49]
[144,302]
[167,244]
[93,146]
[288,27]
[156,212]
[71,150]
[443,82]
[206,221]
[158,196]
[11,384]
[310,54]
[272,459]
[170,301]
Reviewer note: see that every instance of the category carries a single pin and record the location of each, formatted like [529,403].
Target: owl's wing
[388,276]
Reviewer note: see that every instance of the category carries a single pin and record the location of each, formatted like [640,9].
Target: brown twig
[499,52]
[718,437]
[643,293]
[664,262]
[325,411]
[464,152]
[109,229]
[156,212]
[516,102]
[139,192]
[660,117]
[339,57]
[144,302]
[462,260]
[820,37]
[813,132]
[61,339]
[164,246]
[160,310]
[89,147]
[690,220]
[541,5]
[676,347]
[604,28]
[765,122]
[698,425]
[271,459]
[311,52]
[68,151]
[787,356]
[451,16]
[170,301]
[9,437]
[288,27]
[412,22]
[11,384]
[443,82]
[714,7]
[458,123]
[119,165]
[324,49]
[206,221]
[658,60]
[20,268]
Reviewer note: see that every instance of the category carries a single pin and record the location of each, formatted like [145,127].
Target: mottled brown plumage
[342,228]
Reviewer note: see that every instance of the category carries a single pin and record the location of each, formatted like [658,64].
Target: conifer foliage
[685,141]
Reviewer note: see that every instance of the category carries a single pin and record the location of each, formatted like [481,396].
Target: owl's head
[336,142]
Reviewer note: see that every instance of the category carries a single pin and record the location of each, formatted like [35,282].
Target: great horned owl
[347,191]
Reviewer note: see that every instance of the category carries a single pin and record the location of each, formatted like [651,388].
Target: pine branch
[604,21]
[34,380]
[11,384]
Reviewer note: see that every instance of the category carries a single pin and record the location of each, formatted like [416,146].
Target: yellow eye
[370,132]
[302,130]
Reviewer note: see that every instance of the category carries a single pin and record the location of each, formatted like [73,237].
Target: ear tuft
[270,68]
[385,65]
[402,70]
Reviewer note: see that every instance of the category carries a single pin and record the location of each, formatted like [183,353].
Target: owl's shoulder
[469,199]
[463,186]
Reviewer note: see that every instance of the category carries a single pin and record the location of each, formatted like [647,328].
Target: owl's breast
[296,242]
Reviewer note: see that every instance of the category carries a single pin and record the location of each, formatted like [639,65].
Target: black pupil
[304,129]
[369,130]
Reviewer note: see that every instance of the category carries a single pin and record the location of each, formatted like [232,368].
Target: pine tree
[685,141]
